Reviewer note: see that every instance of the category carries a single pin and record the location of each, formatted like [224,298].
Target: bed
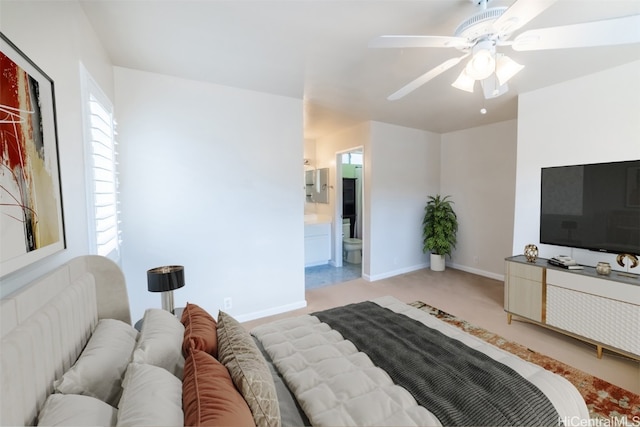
[338,383]
[69,356]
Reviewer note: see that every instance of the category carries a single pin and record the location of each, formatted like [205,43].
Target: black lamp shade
[163,279]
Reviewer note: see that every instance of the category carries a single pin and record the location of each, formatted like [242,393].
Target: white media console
[601,310]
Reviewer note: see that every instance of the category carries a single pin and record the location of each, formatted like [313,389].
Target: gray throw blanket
[459,385]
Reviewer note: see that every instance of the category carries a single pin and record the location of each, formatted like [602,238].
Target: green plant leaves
[439,226]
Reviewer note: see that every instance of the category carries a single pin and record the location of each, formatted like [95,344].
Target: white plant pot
[437,262]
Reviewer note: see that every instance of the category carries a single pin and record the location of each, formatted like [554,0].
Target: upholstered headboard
[45,325]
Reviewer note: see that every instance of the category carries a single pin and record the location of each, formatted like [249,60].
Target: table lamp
[165,279]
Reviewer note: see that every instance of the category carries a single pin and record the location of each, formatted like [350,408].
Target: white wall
[478,172]
[404,168]
[56,36]
[588,120]
[211,179]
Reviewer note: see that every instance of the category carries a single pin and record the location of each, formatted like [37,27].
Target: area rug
[605,401]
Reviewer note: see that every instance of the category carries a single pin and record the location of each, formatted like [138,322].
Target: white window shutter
[102,172]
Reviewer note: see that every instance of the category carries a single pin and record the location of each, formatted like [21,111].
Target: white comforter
[338,386]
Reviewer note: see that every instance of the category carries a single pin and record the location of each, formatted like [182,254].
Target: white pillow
[160,341]
[99,370]
[152,397]
[76,410]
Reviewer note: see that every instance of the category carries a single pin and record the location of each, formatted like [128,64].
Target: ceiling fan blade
[598,33]
[426,77]
[418,41]
[519,14]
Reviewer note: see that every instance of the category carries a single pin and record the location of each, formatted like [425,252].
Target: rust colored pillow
[209,397]
[199,331]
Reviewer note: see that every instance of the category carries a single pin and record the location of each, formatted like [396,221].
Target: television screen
[593,206]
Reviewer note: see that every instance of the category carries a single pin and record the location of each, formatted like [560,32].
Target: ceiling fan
[479,35]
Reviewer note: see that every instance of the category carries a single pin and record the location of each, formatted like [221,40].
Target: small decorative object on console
[633,260]
[603,268]
[531,253]
[565,261]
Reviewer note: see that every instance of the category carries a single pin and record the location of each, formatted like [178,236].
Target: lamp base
[167,301]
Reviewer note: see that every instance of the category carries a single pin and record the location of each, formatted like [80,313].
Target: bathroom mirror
[317,185]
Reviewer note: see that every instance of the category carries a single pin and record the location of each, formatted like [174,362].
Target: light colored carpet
[478,300]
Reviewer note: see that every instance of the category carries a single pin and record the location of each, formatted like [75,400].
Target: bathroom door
[349,203]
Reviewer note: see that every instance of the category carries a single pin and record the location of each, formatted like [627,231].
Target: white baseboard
[477,271]
[271,311]
[373,278]
[370,278]
[316,264]
[427,265]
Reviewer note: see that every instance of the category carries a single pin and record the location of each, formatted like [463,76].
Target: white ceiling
[316,50]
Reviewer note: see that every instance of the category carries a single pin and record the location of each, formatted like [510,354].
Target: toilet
[351,247]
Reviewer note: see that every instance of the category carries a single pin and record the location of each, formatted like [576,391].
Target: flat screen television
[592,206]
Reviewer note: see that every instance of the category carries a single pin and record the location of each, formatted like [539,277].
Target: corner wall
[478,172]
[405,169]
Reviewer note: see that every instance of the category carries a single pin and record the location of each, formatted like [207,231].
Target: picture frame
[31,209]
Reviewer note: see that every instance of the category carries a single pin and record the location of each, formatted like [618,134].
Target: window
[352,159]
[102,175]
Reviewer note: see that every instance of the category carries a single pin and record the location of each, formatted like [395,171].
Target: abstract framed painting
[31,217]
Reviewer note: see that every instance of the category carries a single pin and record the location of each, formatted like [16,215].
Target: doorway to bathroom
[349,208]
[348,199]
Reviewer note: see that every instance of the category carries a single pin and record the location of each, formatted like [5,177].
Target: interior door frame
[337,214]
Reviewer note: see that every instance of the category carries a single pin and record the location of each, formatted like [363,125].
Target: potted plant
[439,228]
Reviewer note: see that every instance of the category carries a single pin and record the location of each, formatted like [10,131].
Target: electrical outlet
[227,303]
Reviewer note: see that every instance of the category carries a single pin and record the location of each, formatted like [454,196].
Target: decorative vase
[603,268]
[531,253]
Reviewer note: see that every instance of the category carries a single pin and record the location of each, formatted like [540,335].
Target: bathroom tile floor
[323,275]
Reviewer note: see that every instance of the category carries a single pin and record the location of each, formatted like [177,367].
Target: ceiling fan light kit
[491,87]
[483,62]
[506,68]
[481,33]
[464,82]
